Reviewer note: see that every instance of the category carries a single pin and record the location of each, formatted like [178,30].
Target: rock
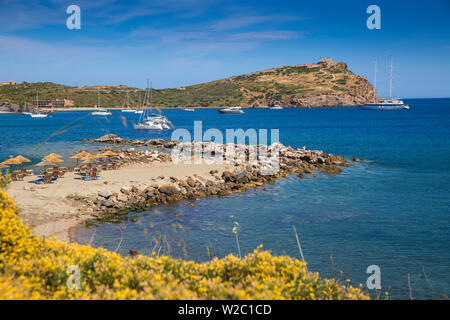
[108,203]
[105,194]
[213,171]
[331,170]
[191,181]
[169,189]
[125,190]
[182,183]
[357,159]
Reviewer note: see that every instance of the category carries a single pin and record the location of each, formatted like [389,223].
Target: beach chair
[38,181]
[13,176]
[94,175]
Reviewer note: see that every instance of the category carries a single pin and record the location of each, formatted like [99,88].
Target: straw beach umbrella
[54,159]
[51,156]
[17,160]
[80,155]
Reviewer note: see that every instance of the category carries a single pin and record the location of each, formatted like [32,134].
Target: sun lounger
[38,181]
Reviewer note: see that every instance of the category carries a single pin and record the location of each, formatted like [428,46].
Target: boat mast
[375,80]
[187,99]
[390,81]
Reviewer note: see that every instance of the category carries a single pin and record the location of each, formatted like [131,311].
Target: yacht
[231,110]
[149,120]
[188,109]
[276,107]
[100,111]
[385,104]
[127,102]
[37,114]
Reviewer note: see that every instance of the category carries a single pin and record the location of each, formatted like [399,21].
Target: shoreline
[139,186]
[177,108]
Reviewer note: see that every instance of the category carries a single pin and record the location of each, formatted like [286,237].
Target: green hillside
[290,85]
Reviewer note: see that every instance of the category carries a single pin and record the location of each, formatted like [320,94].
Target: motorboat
[231,110]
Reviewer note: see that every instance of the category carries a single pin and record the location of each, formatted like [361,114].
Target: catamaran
[231,110]
[387,104]
[127,102]
[149,120]
[100,111]
[38,114]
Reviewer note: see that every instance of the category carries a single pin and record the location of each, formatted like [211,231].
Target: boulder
[169,189]
[105,194]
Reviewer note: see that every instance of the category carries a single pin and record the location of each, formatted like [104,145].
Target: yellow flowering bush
[32,267]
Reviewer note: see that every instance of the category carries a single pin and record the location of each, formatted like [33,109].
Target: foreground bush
[35,268]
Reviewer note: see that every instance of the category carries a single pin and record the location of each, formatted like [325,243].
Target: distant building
[53,103]
[9,83]
[325,60]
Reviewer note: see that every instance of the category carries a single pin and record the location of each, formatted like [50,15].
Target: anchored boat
[387,104]
[149,120]
[231,110]
[100,111]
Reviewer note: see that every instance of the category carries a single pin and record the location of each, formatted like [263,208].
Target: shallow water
[392,211]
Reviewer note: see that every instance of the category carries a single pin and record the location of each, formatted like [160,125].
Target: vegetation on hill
[32,267]
[298,85]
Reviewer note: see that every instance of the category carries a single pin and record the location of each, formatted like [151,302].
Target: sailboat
[187,103]
[100,111]
[25,108]
[137,110]
[387,104]
[149,120]
[127,102]
[38,114]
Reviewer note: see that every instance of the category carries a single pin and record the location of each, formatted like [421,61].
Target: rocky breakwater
[246,173]
[155,143]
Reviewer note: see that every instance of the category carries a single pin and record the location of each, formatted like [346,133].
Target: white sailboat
[188,109]
[149,120]
[139,111]
[25,108]
[127,102]
[38,114]
[387,104]
[100,111]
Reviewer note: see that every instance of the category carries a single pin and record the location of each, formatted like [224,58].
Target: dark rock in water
[105,194]
[331,170]
[169,189]
[301,175]
[357,159]
[134,253]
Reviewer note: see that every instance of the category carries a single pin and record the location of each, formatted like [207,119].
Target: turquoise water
[391,211]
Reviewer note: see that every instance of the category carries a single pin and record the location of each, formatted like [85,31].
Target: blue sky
[176,42]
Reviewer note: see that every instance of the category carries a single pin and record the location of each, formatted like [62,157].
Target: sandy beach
[50,210]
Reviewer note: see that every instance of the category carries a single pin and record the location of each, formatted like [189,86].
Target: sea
[391,211]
